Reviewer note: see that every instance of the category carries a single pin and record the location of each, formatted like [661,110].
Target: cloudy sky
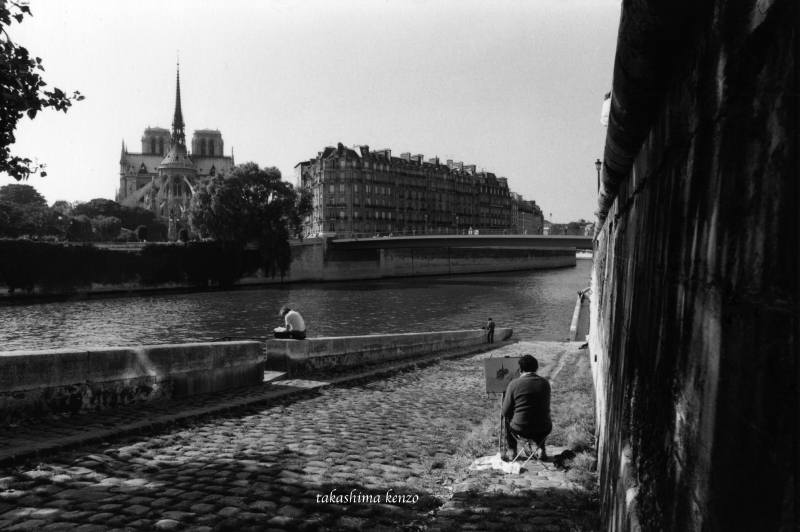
[514,87]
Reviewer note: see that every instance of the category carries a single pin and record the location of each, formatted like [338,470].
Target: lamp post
[598,165]
[426,224]
[456,224]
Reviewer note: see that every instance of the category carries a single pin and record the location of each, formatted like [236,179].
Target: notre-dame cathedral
[162,177]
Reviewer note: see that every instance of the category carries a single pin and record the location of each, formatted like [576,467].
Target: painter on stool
[526,408]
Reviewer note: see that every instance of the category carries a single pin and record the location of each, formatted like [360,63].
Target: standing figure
[490,331]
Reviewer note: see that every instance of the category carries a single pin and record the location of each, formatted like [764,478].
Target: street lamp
[426,224]
[456,224]
[598,165]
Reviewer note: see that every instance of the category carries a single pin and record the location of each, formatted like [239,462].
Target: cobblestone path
[393,448]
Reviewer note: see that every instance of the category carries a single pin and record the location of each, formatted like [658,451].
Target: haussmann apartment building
[371,192]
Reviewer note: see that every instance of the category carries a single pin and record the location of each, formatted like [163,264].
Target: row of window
[387,191]
[497,190]
[388,215]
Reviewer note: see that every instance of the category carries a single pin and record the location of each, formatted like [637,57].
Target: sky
[514,87]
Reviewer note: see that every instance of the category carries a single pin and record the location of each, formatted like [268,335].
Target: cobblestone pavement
[389,446]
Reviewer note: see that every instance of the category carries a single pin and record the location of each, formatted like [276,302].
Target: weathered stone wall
[694,278]
[319,354]
[315,261]
[40,383]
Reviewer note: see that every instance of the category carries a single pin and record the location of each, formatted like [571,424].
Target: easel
[498,373]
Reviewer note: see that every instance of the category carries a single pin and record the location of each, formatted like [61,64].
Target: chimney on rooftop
[406,156]
[449,163]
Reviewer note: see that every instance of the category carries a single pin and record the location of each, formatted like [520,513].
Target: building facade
[360,191]
[163,175]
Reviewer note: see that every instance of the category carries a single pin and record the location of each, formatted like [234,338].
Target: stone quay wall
[694,308]
[298,357]
[316,260]
[41,383]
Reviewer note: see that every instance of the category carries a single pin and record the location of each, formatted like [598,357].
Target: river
[537,304]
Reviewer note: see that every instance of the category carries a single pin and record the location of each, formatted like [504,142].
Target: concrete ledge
[298,357]
[39,383]
[573,328]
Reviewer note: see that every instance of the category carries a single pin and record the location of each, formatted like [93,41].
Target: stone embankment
[269,457]
[70,381]
[313,260]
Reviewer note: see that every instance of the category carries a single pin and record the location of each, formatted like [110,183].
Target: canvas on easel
[498,372]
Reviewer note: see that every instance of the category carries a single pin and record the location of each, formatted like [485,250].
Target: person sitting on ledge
[295,326]
[526,408]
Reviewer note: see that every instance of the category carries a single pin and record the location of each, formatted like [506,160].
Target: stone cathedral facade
[163,175]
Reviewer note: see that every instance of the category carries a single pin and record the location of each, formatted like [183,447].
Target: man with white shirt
[295,326]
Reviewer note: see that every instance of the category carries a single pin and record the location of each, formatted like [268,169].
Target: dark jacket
[527,404]
[490,325]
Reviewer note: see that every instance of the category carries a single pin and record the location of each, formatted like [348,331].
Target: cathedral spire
[178,133]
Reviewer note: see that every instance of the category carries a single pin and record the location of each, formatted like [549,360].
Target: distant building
[363,191]
[531,218]
[162,176]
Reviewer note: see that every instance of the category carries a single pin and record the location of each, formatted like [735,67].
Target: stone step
[272,376]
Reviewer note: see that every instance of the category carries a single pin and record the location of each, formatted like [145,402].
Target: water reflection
[535,303]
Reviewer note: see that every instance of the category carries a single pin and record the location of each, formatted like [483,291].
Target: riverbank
[177,268]
[265,460]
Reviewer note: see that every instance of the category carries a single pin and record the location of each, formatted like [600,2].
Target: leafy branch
[22,91]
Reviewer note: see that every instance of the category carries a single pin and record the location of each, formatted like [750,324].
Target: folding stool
[522,444]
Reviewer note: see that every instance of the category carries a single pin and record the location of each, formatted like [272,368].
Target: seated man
[526,407]
[295,326]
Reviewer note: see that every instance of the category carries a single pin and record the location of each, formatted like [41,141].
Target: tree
[248,204]
[125,235]
[22,195]
[106,227]
[141,233]
[130,217]
[62,207]
[80,229]
[22,92]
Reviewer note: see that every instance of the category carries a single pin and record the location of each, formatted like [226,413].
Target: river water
[537,304]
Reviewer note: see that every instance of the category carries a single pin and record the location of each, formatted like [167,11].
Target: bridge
[464,241]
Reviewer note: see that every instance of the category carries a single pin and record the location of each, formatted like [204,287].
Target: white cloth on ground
[494,462]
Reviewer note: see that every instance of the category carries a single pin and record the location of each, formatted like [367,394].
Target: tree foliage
[80,229]
[24,212]
[106,227]
[248,204]
[130,217]
[22,195]
[23,92]
[141,233]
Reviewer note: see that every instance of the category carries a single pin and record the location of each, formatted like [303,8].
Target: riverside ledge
[37,384]
[34,384]
[313,355]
